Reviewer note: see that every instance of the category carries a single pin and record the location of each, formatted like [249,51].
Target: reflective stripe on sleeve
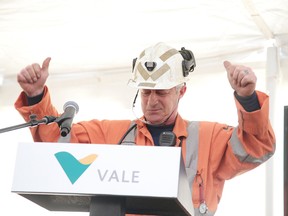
[240,152]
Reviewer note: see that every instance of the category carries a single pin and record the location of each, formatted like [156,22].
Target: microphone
[71,108]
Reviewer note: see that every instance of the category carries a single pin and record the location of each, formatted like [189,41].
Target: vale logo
[73,167]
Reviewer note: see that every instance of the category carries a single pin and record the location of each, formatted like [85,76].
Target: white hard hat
[161,67]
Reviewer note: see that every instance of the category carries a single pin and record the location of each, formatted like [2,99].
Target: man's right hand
[33,77]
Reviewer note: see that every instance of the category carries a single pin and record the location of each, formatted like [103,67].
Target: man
[212,152]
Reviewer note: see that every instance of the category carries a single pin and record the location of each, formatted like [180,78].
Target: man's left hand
[242,79]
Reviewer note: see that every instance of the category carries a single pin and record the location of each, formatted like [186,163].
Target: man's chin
[155,121]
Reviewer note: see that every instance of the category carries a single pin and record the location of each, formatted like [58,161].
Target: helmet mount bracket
[150,65]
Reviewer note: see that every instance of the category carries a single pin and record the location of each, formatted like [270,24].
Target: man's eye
[146,92]
[162,93]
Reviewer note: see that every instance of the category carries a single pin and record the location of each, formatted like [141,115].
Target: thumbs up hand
[33,77]
[241,78]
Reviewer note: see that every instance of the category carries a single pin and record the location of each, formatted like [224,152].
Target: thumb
[227,65]
[45,64]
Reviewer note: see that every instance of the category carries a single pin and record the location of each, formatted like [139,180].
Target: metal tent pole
[272,74]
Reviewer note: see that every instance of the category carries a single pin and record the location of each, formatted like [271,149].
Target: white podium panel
[64,177]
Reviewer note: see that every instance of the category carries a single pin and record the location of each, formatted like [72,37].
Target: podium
[103,179]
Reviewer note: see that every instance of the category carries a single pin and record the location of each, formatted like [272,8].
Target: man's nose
[153,98]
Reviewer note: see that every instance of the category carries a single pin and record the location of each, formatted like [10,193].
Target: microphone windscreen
[71,104]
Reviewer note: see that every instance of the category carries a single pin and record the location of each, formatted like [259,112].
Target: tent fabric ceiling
[101,36]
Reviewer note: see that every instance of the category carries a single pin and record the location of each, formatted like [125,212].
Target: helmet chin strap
[147,122]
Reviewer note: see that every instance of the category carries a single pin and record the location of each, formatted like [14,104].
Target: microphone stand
[33,122]
[64,138]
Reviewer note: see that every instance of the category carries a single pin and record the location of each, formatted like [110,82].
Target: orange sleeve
[253,143]
[93,131]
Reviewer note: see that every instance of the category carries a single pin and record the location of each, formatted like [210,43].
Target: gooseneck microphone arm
[32,123]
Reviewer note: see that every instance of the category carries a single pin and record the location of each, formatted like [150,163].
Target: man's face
[160,106]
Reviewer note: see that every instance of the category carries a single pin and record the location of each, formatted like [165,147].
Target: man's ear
[182,91]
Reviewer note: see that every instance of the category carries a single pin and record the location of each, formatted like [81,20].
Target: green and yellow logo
[73,167]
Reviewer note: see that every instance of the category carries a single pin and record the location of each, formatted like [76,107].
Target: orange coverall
[223,151]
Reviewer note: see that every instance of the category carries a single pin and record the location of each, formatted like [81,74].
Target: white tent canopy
[97,40]
[98,36]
